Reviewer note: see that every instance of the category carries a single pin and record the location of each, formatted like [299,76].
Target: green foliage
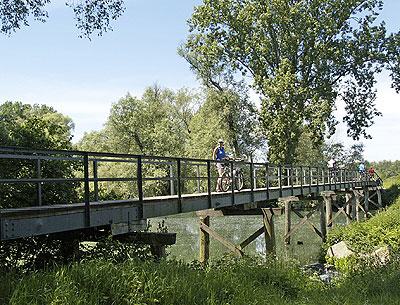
[108,249]
[225,115]
[300,57]
[387,169]
[35,127]
[155,124]
[391,189]
[310,154]
[364,237]
[92,16]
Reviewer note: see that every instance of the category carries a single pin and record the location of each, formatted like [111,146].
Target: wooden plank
[237,212]
[366,202]
[304,220]
[322,219]
[348,204]
[340,211]
[288,209]
[251,238]
[269,232]
[230,246]
[308,221]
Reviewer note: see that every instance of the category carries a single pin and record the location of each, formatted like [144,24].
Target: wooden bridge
[35,187]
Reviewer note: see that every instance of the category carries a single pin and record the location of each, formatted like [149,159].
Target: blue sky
[48,63]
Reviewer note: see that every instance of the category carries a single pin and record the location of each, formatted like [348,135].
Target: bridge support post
[287,202]
[329,197]
[366,201]
[353,206]
[288,209]
[379,195]
[204,253]
[322,220]
[269,232]
[358,204]
[349,207]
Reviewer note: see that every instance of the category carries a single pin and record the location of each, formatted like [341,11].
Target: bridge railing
[46,177]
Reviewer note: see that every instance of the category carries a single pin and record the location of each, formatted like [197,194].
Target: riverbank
[230,281]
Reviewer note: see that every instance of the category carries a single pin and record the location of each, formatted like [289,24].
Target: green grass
[382,229]
[230,281]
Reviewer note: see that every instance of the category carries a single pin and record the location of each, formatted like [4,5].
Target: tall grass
[229,281]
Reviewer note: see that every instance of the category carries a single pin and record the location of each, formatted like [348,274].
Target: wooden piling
[204,253]
[269,232]
[366,202]
[288,209]
[349,200]
[357,203]
[328,198]
[322,219]
[379,196]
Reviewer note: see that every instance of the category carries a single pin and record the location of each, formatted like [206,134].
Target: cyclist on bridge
[219,155]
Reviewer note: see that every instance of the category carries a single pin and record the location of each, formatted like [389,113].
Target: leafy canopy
[227,115]
[91,16]
[35,127]
[300,57]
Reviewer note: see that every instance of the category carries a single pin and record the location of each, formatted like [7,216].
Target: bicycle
[227,179]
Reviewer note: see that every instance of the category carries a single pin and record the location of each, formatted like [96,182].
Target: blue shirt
[220,153]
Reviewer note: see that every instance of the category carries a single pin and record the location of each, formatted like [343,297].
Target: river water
[305,243]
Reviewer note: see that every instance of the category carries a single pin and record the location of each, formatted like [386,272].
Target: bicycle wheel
[225,182]
[239,181]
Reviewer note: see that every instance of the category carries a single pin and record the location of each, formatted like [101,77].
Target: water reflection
[305,243]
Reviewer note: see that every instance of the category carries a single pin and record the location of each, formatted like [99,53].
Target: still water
[305,243]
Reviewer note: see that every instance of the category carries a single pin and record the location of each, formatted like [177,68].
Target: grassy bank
[380,230]
[225,282]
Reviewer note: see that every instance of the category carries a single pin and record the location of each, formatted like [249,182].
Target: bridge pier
[328,198]
[304,219]
[366,202]
[322,219]
[267,229]
[287,203]
[204,253]
[349,203]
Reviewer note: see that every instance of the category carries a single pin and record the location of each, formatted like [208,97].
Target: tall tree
[307,153]
[226,115]
[301,57]
[155,124]
[35,127]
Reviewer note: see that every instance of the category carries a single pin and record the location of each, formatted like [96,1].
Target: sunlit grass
[228,281]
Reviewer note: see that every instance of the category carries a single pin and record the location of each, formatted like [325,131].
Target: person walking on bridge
[219,155]
[332,170]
